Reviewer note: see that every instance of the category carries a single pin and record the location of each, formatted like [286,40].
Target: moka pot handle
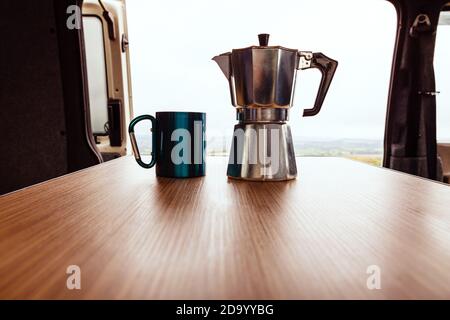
[327,67]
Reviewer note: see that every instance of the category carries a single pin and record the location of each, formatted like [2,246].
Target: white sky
[172,43]
[442,71]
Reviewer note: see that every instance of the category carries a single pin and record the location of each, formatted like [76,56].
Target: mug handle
[137,154]
[327,68]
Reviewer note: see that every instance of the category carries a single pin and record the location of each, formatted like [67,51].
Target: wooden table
[135,236]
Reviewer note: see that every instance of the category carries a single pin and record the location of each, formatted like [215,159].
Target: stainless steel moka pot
[262,84]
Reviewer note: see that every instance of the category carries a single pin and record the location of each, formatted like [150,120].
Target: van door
[108,72]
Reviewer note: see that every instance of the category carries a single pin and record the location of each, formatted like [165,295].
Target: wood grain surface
[136,236]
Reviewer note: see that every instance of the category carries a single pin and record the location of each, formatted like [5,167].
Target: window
[442,73]
[173,43]
[96,66]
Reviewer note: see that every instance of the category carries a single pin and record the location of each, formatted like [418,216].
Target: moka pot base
[262,147]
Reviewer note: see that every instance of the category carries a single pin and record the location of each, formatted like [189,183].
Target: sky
[442,73]
[172,43]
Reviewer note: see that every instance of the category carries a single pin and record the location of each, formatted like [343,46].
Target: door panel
[118,109]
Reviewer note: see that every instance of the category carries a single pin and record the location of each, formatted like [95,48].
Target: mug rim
[180,112]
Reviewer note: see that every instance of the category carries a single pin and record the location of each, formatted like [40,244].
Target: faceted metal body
[262,152]
[260,76]
[264,77]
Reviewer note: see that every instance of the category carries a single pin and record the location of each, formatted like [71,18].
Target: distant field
[369,159]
